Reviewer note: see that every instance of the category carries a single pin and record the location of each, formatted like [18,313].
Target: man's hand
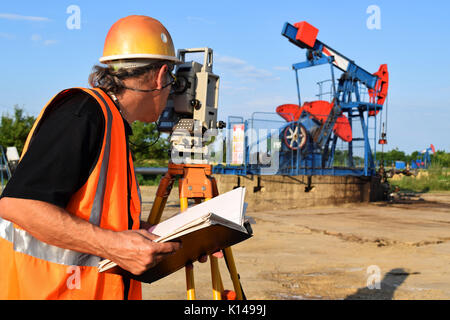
[204,257]
[146,226]
[135,251]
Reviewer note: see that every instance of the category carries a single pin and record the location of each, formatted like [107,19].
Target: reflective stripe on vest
[100,193]
[25,243]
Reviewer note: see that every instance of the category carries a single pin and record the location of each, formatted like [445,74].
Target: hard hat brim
[107,59]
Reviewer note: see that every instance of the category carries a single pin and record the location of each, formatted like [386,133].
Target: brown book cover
[203,229]
[195,244]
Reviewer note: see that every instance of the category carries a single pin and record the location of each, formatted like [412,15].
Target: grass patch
[436,178]
[147,179]
[151,163]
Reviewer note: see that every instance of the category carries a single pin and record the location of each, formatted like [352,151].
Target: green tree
[392,156]
[14,129]
[147,144]
[414,156]
[340,157]
[441,157]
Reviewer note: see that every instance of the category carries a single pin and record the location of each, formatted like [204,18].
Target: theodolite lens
[181,85]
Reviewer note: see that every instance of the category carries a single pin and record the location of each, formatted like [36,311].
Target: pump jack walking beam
[304,35]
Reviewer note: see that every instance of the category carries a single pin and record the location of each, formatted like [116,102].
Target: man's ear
[161,75]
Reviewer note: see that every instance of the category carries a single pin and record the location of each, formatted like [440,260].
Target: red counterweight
[379,93]
[289,112]
[320,111]
[307,33]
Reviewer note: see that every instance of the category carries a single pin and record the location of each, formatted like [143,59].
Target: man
[74,199]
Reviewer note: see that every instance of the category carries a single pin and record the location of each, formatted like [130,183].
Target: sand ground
[402,249]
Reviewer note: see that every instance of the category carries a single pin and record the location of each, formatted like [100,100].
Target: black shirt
[63,152]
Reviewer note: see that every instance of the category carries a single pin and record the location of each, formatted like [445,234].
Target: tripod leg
[228,255]
[157,210]
[215,190]
[163,192]
[215,275]
[183,204]
[233,272]
[216,279]
[190,285]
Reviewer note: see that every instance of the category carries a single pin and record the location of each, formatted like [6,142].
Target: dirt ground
[401,249]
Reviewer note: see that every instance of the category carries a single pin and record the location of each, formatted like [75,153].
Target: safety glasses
[173,79]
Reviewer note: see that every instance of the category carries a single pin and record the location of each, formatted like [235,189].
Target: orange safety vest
[31,269]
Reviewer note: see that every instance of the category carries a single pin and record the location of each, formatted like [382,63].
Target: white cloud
[8,36]
[282,68]
[36,37]
[199,20]
[231,61]
[233,90]
[269,101]
[243,69]
[11,16]
[49,42]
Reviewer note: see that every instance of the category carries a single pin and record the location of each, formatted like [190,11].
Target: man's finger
[203,258]
[168,247]
[147,235]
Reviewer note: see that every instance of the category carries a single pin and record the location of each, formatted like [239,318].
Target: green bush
[14,129]
[436,178]
[148,180]
[146,143]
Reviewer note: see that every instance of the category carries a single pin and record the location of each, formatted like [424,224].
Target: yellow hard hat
[138,37]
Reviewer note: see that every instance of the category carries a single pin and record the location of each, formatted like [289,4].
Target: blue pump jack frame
[353,77]
[347,100]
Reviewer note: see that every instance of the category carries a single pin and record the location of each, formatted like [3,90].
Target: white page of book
[228,205]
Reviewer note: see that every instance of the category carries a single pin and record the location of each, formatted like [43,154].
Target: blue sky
[40,56]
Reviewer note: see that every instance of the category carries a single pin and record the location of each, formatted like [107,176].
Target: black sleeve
[62,154]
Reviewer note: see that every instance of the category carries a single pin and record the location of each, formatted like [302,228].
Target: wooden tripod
[195,182]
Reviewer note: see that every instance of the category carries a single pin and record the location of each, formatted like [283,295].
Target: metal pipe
[150,170]
[298,88]
[139,170]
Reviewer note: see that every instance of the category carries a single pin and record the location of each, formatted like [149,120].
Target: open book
[203,229]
